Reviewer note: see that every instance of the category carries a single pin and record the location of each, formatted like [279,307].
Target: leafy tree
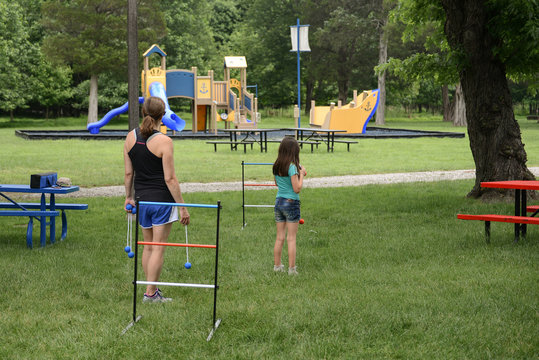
[487,42]
[90,37]
[13,54]
[491,39]
[51,84]
[189,41]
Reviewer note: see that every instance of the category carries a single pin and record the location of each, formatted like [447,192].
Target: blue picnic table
[40,211]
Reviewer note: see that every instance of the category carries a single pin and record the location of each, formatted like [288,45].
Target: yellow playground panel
[352,117]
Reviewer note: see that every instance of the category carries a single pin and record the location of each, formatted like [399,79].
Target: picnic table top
[512,184]
[19,188]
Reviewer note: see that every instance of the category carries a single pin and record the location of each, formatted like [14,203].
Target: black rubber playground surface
[371,133]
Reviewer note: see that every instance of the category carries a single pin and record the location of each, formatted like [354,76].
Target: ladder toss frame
[243,185]
[215,287]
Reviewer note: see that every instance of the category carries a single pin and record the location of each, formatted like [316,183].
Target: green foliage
[14,61]
[96,33]
[516,24]
[190,38]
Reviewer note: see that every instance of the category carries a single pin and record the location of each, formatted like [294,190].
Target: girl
[149,166]
[289,180]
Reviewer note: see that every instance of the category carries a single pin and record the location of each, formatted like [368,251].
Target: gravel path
[322,182]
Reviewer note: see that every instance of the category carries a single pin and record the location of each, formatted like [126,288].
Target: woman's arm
[128,171]
[173,185]
[297,180]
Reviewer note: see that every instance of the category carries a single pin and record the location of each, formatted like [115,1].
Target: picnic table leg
[329,141]
[517,213]
[29,232]
[487,231]
[64,225]
[43,223]
[523,205]
[53,219]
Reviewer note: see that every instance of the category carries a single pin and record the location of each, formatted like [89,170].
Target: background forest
[52,51]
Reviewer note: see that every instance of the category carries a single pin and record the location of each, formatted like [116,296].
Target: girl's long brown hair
[288,154]
[152,111]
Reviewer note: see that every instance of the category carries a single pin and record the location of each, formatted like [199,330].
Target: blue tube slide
[170,119]
[93,128]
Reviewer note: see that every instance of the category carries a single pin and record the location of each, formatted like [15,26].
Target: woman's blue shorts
[287,210]
[155,215]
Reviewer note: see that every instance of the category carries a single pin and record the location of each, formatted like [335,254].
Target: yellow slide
[353,119]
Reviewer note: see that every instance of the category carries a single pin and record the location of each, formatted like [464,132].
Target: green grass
[100,163]
[390,274]
[386,271]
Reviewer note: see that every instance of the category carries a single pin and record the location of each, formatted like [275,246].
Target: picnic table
[259,136]
[40,211]
[519,219]
[304,135]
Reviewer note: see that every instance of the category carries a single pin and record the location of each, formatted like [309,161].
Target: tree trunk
[382,59]
[11,115]
[309,86]
[133,71]
[446,103]
[459,108]
[494,133]
[343,77]
[92,103]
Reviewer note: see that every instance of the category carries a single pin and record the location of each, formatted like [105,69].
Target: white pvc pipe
[259,206]
[157,283]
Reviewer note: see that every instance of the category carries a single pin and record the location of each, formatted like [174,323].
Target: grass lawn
[390,274]
[100,163]
[386,271]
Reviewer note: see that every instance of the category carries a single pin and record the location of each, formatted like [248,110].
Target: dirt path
[333,181]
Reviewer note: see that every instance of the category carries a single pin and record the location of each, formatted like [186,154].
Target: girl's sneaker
[278,268]
[157,297]
[292,271]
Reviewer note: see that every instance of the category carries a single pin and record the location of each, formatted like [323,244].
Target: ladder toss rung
[159,283]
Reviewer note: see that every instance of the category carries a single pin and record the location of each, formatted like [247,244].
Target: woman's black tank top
[150,182]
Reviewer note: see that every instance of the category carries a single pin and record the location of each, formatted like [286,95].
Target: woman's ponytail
[152,110]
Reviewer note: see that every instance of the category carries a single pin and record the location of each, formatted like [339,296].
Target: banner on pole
[303,38]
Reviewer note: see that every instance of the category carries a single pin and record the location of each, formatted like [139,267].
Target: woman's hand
[185,218]
[129,202]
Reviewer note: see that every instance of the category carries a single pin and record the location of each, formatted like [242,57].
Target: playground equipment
[209,97]
[214,286]
[352,117]
[243,185]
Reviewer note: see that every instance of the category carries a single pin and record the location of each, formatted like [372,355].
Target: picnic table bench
[312,143]
[347,142]
[233,144]
[42,211]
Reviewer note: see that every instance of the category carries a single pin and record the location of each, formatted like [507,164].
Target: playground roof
[154,49]
[235,62]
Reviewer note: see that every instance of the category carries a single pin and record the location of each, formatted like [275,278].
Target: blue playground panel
[180,84]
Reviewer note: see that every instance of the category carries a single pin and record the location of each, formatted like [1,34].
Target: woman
[149,172]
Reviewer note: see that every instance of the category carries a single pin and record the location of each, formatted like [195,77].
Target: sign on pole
[299,34]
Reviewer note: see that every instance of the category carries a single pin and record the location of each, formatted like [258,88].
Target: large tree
[489,39]
[90,36]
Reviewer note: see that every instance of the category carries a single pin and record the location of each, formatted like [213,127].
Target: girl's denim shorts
[287,210]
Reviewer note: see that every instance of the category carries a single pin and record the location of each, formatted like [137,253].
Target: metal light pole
[299,46]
